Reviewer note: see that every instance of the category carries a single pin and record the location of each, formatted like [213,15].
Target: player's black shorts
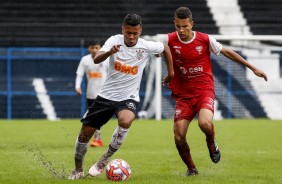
[103,109]
[90,102]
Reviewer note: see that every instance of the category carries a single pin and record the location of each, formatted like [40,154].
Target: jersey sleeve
[155,47]
[215,46]
[78,81]
[108,44]
[79,73]
[164,39]
[81,68]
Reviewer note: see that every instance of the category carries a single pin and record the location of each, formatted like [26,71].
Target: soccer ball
[118,170]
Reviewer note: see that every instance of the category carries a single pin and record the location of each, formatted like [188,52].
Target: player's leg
[180,131]
[126,115]
[97,139]
[85,135]
[184,113]
[206,125]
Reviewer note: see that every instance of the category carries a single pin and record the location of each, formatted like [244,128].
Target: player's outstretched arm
[169,63]
[102,55]
[237,58]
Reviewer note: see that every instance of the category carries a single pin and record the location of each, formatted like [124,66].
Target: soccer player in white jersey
[128,56]
[96,75]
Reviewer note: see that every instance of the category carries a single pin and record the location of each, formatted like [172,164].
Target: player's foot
[192,172]
[76,175]
[214,153]
[96,143]
[98,167]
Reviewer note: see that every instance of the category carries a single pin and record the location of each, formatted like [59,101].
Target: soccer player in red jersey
[193,85]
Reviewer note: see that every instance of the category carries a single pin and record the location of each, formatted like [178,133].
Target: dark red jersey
[192,65]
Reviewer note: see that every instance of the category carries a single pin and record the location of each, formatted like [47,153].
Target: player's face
[93,49]
[131,34]
[184,28]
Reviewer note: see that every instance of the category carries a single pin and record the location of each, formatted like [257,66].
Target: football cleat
[98,167]
[215,156]
[76,175]
[97,143]
[192,172]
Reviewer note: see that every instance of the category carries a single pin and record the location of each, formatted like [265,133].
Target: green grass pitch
[40,151]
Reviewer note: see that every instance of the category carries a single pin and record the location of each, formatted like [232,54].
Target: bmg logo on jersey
[93,75]
[126,68]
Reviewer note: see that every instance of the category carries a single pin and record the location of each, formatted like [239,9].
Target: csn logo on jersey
[139,54]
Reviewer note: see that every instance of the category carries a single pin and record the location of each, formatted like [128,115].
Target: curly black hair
[132,20]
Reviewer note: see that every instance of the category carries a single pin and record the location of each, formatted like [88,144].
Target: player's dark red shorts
[187,108]
[103,109]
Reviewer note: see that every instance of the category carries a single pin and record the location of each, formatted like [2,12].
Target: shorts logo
[177,112]
[131,105]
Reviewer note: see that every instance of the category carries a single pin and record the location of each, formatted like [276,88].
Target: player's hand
[115,49]
[159,55]
[168,78]
[78,91]
[260,73]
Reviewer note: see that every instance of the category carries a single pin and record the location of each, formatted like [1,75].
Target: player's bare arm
[237,58]
[102,55]
[78,91]
[169,64]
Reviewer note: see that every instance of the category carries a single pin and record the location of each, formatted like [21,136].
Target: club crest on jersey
[199,49]
[139,54]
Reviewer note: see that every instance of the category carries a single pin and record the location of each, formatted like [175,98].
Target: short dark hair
[132,20]
[183,13]
[93,42]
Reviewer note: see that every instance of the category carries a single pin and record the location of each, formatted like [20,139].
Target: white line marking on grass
[44,99]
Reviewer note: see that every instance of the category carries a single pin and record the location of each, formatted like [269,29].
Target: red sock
[184,152]
[210,139]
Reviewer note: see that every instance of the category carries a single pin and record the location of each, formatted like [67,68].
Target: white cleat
[76,175]
[95,171]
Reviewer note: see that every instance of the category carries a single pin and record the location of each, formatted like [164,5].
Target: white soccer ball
[118,170]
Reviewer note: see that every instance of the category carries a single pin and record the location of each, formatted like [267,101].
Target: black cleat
[215,157]
[192,172]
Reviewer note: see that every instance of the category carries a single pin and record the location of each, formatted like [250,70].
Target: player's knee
[125,123]
[84,137]
[204,124]
[179,140]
